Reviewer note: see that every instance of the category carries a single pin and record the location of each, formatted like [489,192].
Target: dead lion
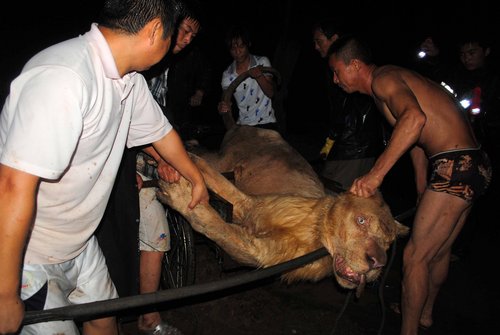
[281,211]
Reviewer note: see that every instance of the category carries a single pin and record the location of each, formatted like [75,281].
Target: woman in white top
[253,96]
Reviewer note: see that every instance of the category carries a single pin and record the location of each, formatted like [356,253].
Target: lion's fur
[284,212]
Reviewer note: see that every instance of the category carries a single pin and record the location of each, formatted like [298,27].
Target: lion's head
[357,232]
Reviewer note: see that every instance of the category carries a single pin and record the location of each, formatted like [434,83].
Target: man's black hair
[191,9]
[474,36]
[235,32]
[349,47]
[329,27]
[131,16]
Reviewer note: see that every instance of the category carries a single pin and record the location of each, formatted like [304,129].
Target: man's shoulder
[385,74]
[384,70]
[72,55]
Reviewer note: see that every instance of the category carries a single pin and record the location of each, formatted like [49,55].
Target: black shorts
[465,173]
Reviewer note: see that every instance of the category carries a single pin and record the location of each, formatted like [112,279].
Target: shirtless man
[428,122]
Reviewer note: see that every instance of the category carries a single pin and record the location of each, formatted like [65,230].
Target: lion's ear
[402,230]
[378,195]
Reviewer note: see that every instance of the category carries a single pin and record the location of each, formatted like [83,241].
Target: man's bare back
[434,101]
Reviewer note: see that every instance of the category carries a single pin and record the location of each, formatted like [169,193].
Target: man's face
[238,50]
[473,56]
[188,29]
[344,75]
[322,43]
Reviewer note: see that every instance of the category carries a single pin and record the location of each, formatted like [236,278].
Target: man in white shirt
[63,129]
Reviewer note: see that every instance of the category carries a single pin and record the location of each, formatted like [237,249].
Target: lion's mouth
[345,272]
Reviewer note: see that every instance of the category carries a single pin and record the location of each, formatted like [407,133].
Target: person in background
[254,95]
[194,86]
[429,124]
[428,59]
[355,134]
[474,81]
[189,85]
[478,81]
[54,185]
[154,234]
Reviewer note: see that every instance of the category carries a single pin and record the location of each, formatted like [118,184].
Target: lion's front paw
[176,195]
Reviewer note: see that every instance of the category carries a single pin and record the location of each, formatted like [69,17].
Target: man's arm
[397,100]
[266,83]
[165,170]
[17,206]
[172,150]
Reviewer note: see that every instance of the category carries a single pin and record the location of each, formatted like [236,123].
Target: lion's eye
[361,220]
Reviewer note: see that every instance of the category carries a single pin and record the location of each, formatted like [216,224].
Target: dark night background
[281,30]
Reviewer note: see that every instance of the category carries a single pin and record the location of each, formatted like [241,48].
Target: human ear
[356,64]
[154,30]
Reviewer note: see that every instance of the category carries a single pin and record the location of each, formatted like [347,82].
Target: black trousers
[118,232]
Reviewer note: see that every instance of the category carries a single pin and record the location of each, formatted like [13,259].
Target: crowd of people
[78,227]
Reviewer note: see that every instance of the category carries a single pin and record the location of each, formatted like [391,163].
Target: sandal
[163,329]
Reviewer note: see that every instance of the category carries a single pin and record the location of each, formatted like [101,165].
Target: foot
[424,324]
[148,322]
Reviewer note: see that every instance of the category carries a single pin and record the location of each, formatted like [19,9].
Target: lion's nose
[375,262]
[376,256]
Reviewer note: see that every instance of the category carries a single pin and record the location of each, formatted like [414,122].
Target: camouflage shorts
[465,173]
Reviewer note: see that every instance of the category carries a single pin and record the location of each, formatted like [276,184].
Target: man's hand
[196,98]
[224,107]
[199,194]
[256,72]
[365,186]
[167,173]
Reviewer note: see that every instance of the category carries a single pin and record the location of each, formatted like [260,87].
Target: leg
[154,241]
[438,220]
[94,283]
[149,281]
[439,271]
[104,326]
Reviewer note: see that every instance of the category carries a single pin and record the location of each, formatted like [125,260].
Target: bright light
[465,103]
[448,88]
[475,111]
[421,54]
